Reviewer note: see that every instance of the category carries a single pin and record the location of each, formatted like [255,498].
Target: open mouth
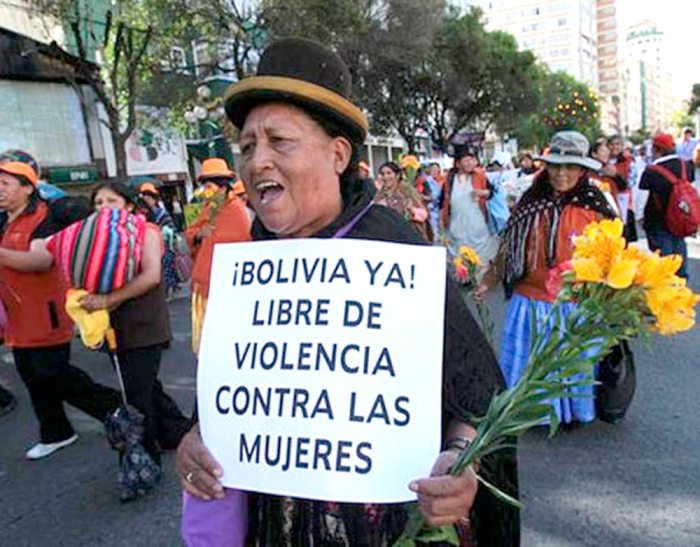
[269,191]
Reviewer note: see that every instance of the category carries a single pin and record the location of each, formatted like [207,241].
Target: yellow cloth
[92,325]
[199,307]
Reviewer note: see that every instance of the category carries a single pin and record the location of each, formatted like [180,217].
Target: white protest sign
[320,368]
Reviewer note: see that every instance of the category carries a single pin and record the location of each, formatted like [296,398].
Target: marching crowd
[301,176]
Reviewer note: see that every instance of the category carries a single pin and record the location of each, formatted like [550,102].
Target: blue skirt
[515,350]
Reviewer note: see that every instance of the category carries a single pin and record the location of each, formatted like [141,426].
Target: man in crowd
[659,186]
[686,148]
[527,165]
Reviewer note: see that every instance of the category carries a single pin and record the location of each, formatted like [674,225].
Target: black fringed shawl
[541,211]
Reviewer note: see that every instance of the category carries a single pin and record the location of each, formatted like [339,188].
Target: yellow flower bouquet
[465,266]
[210,195]
[620,292]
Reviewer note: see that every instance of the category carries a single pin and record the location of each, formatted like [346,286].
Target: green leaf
[444,534]
[499,493]
[553,423]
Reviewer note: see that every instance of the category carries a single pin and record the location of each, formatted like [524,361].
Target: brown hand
[199,471]
[442,498]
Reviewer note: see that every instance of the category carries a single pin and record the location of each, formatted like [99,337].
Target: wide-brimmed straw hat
[304,73]
[569,147]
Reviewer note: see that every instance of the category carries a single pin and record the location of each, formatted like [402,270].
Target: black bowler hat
[301,72]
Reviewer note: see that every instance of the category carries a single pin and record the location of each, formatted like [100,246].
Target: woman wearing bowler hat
[300,139]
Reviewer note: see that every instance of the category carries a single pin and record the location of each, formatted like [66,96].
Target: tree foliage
[120,49]
[694,103]
[418,65]
[564,104]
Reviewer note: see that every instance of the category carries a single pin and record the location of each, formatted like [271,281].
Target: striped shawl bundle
[101,253]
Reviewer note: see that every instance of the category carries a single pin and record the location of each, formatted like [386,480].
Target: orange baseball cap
[148,187]
[215,168]
[20,169]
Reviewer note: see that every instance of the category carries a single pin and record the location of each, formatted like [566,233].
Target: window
[225,59]
[178,59]
[531,12]
[558,8]
[46,119]
[202,58]
[560,38]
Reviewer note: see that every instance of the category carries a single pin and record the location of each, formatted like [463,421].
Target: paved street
[636,484]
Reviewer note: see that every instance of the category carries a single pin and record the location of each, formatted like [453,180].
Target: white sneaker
[41,450]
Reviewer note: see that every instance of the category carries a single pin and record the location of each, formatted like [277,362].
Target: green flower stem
[602,317]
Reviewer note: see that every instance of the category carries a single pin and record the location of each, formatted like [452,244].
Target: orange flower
[600,255]
[409,161]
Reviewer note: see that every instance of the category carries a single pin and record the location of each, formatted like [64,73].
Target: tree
[483,79]
[229,37]
[122,49]
[418,64]
[694,103]
[681,120]
[565,104]
[396,82]
[383,42]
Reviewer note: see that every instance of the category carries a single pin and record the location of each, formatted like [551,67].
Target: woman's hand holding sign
[442,498]
[199,471]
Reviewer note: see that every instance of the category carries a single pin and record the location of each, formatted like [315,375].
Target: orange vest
[479,182]
[231,224]
[34,301]
[573,221]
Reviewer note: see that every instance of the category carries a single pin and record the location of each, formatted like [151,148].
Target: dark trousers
[6,398]
[165,424]
[669,244]
[51,380]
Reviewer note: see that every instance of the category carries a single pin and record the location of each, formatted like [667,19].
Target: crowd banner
[320,368]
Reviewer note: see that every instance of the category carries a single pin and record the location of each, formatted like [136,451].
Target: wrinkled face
[602,154]
[563,177]
[388,178]
[467,164]
[108,198]
[291,169]
[13,194]
[615,147]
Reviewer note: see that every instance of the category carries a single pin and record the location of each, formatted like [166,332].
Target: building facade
[610,101]
[562,34]
[646,79]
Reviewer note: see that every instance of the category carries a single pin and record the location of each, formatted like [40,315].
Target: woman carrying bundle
[139,316]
